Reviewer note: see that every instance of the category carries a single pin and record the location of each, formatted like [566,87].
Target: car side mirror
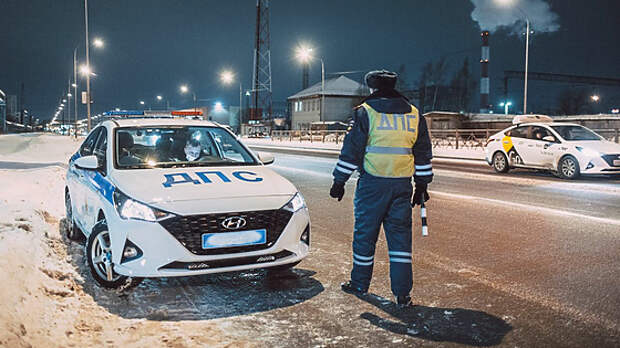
[266,158]
[549,138]
[87,162]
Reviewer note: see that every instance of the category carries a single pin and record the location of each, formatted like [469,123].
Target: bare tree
[573,101]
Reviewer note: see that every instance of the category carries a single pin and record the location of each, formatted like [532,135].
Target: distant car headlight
[128,208]
[296,203]
[588,152]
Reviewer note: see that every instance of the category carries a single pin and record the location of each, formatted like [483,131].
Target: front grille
[238,261]
[189,229]
[610,159]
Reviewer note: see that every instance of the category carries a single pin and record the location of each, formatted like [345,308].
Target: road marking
[497,282]
[534,208]
[540,182]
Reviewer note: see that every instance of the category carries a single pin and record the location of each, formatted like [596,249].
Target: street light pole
[527,48]
[87,65]
[75,103]
[322,90]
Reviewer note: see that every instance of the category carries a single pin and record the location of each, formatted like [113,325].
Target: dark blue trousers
[383,201]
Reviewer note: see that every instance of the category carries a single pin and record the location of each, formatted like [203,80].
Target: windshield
[570,133]
[183,146]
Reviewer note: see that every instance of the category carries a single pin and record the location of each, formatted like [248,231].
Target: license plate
[233,239]
[616,162]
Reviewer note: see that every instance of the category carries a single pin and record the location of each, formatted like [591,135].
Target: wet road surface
[522,259]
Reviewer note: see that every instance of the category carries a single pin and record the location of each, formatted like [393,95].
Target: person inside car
[125,154]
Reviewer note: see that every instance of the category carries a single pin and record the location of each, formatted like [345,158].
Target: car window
[538,133]
[573,132]
[87,147]
[100,147]
[519,132]
[178,146]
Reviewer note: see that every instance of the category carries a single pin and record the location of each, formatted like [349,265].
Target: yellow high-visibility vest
[389,149]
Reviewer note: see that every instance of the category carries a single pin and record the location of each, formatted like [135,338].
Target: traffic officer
[388,143]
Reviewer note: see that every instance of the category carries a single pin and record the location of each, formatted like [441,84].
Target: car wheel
[500,162]
[568,168]
[73,232]
[99,255]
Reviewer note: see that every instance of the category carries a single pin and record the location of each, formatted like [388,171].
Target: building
[340,95]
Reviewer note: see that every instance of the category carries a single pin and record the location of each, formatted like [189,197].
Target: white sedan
[176,197]
[570,150]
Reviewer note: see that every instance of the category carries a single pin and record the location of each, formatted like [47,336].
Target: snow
[476,153]
[45,300]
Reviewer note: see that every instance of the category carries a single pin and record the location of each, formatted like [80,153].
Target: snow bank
[43,298]
[476,153]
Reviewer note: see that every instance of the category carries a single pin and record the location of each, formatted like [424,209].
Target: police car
[536,142]
[178,197]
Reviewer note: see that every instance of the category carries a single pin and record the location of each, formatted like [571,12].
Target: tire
[568,168]
[99,258]
[500,162]
[72,231]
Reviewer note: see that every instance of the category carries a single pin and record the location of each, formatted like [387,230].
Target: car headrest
[125,140]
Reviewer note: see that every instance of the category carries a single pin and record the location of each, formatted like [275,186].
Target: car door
[519,140]
[540,148]
[98,184]
[78,195]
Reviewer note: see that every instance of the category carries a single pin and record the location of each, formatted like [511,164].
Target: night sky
[154,46]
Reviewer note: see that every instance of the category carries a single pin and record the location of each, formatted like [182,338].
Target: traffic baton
[423,216]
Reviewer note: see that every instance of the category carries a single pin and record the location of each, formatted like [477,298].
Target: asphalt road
[521,259]
[540,252]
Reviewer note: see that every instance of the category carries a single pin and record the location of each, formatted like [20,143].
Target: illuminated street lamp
[184,89]
[304,55]
[527,47]
[97,42]
[505,105]
[228,77]
[160,98]
[595,98]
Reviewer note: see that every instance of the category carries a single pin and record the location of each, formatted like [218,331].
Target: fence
[450,138]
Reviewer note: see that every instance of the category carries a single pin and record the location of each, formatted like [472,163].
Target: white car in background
[567,149]
[177,197]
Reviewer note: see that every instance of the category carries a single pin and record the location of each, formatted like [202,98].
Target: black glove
[337,190]
[419,194]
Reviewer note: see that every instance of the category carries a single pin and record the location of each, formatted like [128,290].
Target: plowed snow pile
[42,300]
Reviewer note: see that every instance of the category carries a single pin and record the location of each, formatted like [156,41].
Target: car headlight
[128,208]
[296,203]
[588,152]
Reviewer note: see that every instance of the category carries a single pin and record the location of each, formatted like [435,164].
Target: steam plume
[510,14]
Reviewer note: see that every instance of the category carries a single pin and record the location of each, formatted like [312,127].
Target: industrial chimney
[484,73]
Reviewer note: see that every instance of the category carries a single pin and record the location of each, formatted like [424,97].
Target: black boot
[350,289]
[403,301]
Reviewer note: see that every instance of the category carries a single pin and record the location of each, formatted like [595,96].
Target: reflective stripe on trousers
[383,201]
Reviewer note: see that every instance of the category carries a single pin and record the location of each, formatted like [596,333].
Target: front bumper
[599,165]
[162,255]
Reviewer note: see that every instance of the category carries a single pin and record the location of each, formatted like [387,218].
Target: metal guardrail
[323,136]
[451,138]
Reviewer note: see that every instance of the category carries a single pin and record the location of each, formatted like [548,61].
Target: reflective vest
[389,149]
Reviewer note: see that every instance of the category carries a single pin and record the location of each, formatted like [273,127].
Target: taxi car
[176,197]
[567,149]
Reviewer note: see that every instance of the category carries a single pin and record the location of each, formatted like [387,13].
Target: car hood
[209,188]
[603,147]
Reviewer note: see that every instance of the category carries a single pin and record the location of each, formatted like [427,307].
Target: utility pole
[88,72]
[69,102]
[261,82]
[75,103]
